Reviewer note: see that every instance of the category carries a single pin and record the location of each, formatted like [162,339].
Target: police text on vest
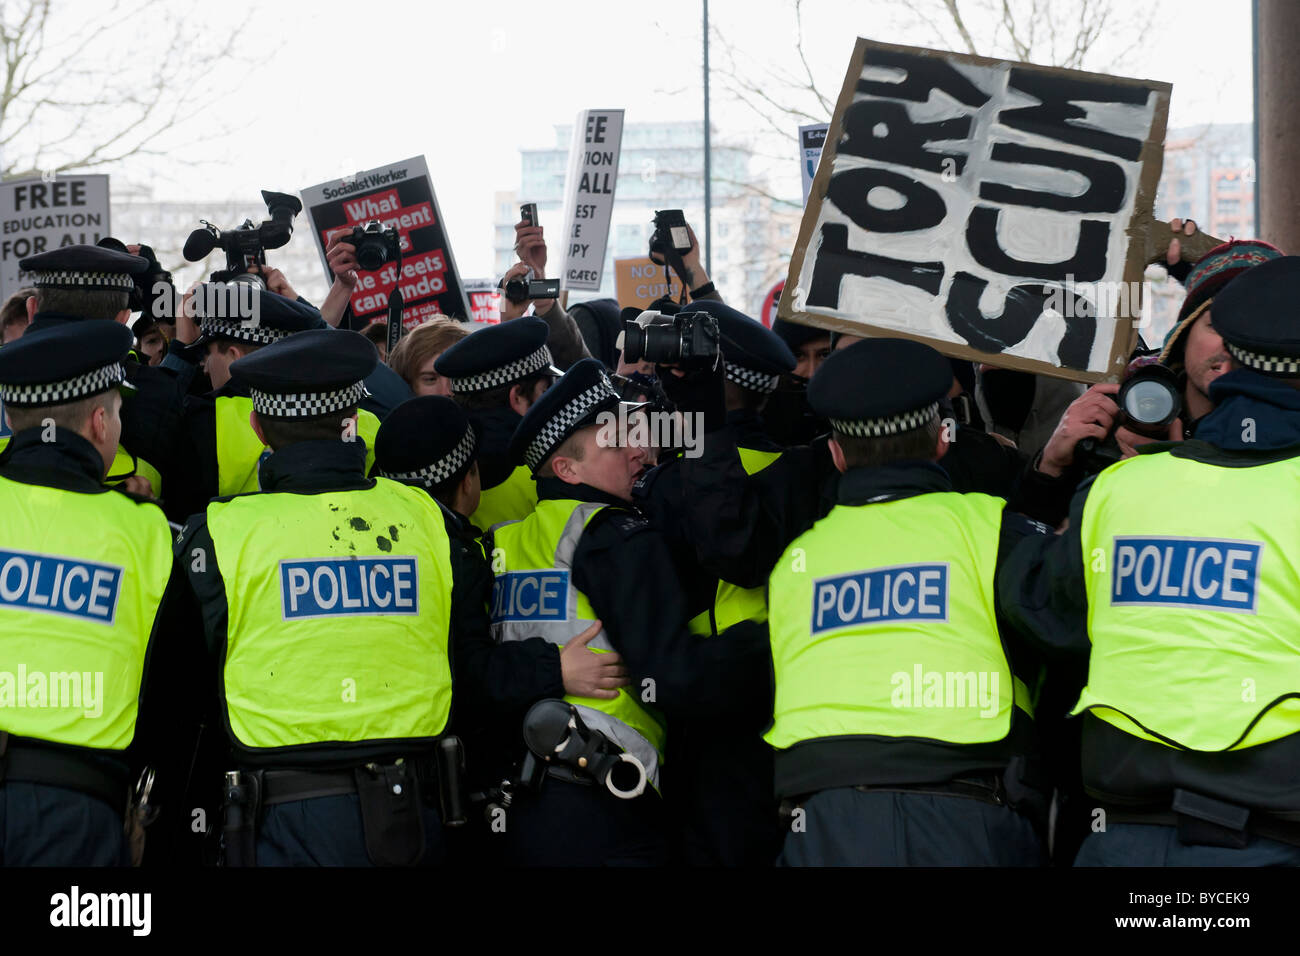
[332,587]
[1208,573]
[541,595]
[50,584]
[904,592]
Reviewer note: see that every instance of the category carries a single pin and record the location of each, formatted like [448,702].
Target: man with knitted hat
[1174,590]
[1192,349]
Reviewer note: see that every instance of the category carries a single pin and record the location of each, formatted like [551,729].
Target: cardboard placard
[399,195]
[811,140]
[997,211]
[638,282]
[38,215]
[589,197]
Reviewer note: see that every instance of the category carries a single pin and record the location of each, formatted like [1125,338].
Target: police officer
[332,626]
[584,555]
[1180,608]
[77,608]
[76,283]
[222,453]
[428,443]
[900,722]
[495,375]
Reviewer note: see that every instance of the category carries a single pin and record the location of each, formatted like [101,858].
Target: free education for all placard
[399,195]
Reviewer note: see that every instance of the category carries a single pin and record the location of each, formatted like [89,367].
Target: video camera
[375,245]
[688,339]
[1149,402]
[523,289]
[246,245]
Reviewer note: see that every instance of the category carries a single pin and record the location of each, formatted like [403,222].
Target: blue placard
[904,592]
[333,587]
[1212,573]
[540,595]
[52,584]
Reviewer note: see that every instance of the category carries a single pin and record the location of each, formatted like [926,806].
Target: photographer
[1192,350]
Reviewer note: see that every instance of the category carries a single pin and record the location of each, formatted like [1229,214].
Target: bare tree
[86,92]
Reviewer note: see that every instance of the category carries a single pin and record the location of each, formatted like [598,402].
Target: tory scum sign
[994,210]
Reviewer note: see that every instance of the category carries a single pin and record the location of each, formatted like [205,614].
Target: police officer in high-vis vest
[1177,582]
[585,555]
[901,722]
[222,454]
[83,570]
[429,444]
[495,375]
[79,283]
[329,606]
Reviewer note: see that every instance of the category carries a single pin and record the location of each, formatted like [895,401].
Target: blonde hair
[423,343]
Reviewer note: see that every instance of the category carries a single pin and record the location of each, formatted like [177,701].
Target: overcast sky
[337,87]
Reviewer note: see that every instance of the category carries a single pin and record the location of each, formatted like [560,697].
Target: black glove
[699,390]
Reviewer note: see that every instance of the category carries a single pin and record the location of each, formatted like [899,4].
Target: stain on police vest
[1206,573]
[904,592]
[541,595]
[330,587]
[54,585]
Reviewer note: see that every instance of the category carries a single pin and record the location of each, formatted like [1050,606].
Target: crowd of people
[309,603]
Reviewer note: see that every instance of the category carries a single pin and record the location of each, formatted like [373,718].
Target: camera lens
[249,278]
[371,254]
[633,342]
[1150,402]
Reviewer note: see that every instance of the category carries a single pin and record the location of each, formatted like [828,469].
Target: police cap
[755,355]
[244,312]
[308,375]
[425,441]
[497,356]
[1256,316]
[572,403]
[64,364]
[84,267]
[880,387]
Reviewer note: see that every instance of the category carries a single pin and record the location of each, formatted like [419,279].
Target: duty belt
[21,762]
[988,789]
[1206,821]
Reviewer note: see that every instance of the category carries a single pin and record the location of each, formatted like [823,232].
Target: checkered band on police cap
[747,378]
[70,390]
[1283,365]
[560,426]
[443,468]
[64,279]
[306,404]
[505,374]
[243,330]
[889,425]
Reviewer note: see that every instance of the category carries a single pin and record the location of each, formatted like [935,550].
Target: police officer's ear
[941,445]
[257,427]
[31,307]
[837,456]
[123,317]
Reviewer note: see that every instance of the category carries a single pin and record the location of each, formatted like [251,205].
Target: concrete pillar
[1277,84]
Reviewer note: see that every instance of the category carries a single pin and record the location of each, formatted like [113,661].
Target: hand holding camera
[530,242]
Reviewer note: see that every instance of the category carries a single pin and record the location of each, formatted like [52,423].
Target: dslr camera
[670,233]
[246,244]
[375,245]
[688,339]
[1149,401]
